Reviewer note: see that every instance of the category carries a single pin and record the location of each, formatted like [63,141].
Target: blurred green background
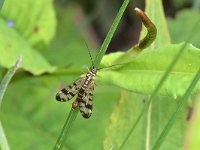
[50,37]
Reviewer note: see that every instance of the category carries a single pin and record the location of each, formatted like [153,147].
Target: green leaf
[33,20]
[126,113]
[13,45]
[181,29]
[180,107]
[34,115]
[143,74]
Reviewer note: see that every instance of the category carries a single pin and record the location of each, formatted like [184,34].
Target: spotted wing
[85,101]
[69,91]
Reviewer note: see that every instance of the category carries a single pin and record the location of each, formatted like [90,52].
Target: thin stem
[180,107]
[110,34]
[3,141]
[73,113]
[65,130]
[148,132]
[7,78]
[3,86]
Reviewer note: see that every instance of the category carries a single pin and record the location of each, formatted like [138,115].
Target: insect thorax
[93,71]
[89,77]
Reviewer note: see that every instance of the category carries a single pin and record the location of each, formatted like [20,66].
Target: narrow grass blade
[110,34]
[73,113]
[180,107]
[3,86]
[65,130]
[161,82]
[7,78]
[3,141]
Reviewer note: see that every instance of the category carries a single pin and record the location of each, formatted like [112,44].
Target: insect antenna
[89,54]
[109,66]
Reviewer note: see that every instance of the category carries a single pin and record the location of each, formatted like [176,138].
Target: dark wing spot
[88,106]
[72,94]
[58,98]
[85,115]
[65,91]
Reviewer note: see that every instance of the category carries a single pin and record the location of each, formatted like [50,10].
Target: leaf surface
[34,115]
[180,29]
[33,20]
[125,115]
[142,74]
[13,45]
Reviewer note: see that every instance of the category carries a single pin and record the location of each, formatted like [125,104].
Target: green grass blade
[180,107]
[73,113]
[110,34]
[65,130]
[161,82]
[7,78]
[3,141]
[3,86]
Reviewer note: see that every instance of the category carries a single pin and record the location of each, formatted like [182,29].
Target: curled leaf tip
[151,31]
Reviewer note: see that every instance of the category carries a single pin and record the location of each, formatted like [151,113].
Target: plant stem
[110,34]
[73,113]
[3,141]
[3,86]
[7,78]
[65,130]
[148,130]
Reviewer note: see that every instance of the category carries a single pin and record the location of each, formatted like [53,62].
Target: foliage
[53,52]
[21,31]
[146,70]
[184,28]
